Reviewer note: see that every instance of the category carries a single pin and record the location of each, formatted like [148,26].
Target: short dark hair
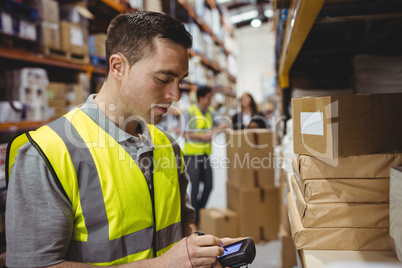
[202,91]
[132,34]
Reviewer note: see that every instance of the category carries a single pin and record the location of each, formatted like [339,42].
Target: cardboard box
[73,38]
[344,190]
[56,91]
[75,94]
[339,126]
[76,13]
[347,215]
[335,238]
[49,35]
[48,11]
[57,108]
[258,210]
[283,192]
[362,178]
[395,213]
[288,250]
[349,258]
[97,44]
[362,166]
[251,161]
[220,222]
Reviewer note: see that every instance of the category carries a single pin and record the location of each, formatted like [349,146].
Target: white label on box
[7,23]
[312,123]
[27,30]
[76,36]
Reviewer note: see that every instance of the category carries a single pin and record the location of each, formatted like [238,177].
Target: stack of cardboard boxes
[62,97]
[251,192]
[48,26]
[25,94]
[339,192]
[97,49]
[65,36]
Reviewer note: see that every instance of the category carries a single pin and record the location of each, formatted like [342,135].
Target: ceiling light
[255,23]
[248,15]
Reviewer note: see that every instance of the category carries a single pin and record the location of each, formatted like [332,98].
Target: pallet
[65,55]
[98,61]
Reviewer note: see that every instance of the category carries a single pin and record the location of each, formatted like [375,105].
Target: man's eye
[163,81]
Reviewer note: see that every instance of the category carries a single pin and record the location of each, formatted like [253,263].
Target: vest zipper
[151,191]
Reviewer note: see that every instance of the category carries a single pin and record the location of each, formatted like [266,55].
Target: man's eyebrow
[167,72]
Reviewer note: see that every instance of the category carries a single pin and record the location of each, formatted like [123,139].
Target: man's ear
[117,66]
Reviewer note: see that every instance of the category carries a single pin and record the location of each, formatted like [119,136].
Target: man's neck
[105,105]
[203,108]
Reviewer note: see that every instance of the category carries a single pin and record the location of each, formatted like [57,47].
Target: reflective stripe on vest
[199,123]
[113,218]
[11,153]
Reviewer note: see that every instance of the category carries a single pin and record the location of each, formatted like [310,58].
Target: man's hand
[194,251]
[203,250]
[227,241]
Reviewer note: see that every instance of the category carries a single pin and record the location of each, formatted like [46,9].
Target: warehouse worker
[199,120]
[99,186]
[249,115]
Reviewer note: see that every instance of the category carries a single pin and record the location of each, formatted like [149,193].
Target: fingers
[205,240]
[203,250]
[228,240]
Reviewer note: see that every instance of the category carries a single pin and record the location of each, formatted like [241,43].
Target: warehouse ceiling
[243,12]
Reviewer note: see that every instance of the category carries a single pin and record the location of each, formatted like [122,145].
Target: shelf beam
[25,56]
[301,17]
[116,6]
[21,126]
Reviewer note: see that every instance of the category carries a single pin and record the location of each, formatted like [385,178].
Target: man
[100,186]
[199,121]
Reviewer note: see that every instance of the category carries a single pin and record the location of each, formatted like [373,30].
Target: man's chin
[156,119]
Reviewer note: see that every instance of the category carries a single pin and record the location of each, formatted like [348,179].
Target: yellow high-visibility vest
[200,123]
[117,218]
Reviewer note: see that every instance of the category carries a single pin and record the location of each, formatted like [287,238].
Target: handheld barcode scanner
[238,254]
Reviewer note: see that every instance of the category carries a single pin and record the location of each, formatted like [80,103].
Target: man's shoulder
[28,149]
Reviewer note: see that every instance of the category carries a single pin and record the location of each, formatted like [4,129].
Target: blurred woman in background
[248,116]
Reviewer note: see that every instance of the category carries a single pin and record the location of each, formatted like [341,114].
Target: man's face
[206,100]
[150,86]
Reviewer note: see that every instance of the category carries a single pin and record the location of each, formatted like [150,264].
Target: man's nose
[173,92]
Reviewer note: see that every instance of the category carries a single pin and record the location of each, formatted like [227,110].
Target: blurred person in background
[200,124]
[249,115]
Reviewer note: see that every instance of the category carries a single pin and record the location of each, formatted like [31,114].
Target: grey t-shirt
[39,218]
